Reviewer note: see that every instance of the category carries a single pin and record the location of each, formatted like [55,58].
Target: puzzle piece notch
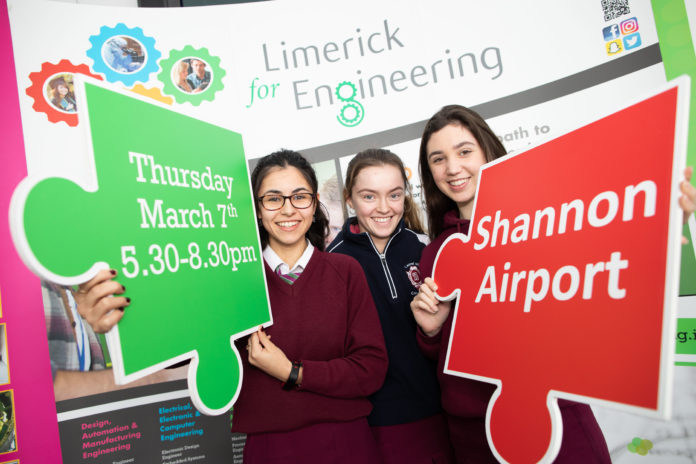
[42,209]
[536,425]
[215,390]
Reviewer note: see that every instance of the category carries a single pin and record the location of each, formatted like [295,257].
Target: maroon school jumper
[465,400]
[326,319]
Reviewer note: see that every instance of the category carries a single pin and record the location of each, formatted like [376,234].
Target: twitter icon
[632,41]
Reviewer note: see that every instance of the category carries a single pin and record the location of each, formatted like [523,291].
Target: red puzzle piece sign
[567,281]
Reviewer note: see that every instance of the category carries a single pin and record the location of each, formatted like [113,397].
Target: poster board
[536,80]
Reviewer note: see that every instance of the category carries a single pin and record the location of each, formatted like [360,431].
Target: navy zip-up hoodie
[411,391]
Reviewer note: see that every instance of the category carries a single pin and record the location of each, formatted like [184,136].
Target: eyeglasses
[273,201]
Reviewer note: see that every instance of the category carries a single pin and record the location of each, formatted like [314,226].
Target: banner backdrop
[325,81]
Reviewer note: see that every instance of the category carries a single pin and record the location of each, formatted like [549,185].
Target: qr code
[615,8]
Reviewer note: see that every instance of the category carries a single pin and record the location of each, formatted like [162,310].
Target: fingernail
[123,289]
[113,272]
[121,309]
[128,299]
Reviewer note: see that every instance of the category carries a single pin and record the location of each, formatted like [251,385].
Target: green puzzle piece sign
[170,208]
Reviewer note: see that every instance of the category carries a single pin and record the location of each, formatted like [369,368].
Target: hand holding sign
[430,314]
[566,281]
[170,209]
[99,301]
[687,200]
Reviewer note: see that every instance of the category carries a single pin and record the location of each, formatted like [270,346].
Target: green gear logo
[352,112]
[191,75]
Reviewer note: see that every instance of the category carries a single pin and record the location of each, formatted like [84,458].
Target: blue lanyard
[83,354]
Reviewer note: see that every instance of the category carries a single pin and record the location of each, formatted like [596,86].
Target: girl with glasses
[304,395]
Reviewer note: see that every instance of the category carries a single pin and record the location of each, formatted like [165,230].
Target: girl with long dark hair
[304,396]
[456,143]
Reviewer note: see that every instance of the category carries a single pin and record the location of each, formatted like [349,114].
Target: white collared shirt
[274,260]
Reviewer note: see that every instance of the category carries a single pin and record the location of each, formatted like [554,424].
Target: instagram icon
[629,26]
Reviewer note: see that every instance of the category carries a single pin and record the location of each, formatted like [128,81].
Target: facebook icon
[611,32]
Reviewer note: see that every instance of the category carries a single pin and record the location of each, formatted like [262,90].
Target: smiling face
[377,197]
[198,67]
[454,159]
[287,226]
[62,90]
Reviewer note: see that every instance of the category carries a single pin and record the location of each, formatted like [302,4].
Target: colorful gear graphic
[152,92]
[346,84]
[127,78]
[354,121]
[165,75]
[38,82]
[351,104]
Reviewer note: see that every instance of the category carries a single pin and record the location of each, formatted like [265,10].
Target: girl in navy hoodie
[456,142]
[386,238]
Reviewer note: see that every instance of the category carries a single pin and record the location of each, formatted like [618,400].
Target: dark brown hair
[436,202]
[55,94]
[282,159]
[381,157]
